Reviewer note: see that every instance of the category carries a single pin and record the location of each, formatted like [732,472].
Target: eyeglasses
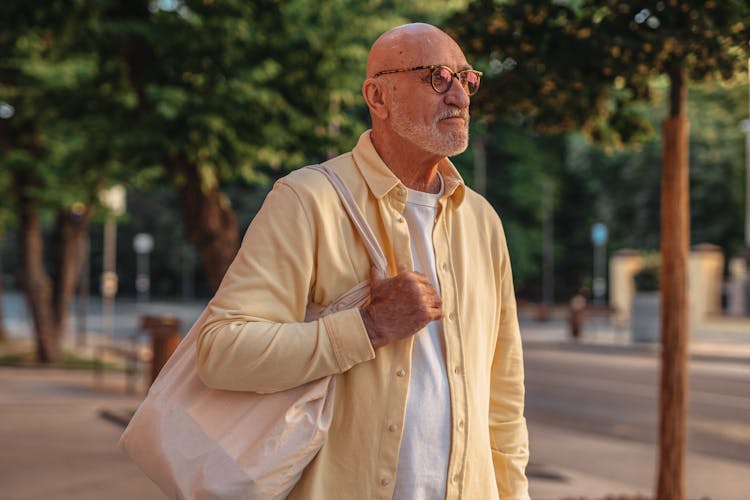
[441,77]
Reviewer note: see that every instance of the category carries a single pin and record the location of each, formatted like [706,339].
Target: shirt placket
[393,218]
[453,352]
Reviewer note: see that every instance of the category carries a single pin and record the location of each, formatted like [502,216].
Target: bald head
[408,45]
[412,121]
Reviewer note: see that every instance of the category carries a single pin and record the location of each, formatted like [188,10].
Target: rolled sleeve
[349,340]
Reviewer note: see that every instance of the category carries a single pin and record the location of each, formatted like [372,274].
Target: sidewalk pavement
[720,338]
[57,445]
[54,443]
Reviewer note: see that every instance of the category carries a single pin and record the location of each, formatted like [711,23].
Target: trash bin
[165,336]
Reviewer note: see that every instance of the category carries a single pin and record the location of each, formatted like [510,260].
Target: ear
[376,98]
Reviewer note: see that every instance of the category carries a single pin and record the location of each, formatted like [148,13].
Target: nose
[456,95]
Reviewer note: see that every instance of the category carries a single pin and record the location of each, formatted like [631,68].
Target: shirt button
[456,370]
[401,373]
[393,427]
[456,478]
[461,425]
[385,481]
[452,316]
[444,266]
[402,267]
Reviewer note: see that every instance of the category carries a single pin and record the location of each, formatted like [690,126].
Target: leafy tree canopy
[558,66]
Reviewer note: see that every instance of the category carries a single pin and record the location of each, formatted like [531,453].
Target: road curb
[645,349]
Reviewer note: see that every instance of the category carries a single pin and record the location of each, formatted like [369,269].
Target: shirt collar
[381,180]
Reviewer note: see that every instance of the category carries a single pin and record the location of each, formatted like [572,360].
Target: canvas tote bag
[200,443]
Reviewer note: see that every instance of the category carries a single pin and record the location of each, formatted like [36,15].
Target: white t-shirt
[425,445]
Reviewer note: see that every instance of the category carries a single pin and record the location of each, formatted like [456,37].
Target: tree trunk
[70,245]
[37,284]
[210,222]
[49,300]
[675,243]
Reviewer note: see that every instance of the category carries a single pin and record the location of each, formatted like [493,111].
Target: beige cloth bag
[199,443]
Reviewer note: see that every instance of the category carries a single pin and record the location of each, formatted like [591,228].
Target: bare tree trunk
[675,243]
[210,222]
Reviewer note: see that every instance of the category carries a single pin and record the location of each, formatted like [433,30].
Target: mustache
[454,113]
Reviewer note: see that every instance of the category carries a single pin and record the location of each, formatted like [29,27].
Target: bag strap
[377,257]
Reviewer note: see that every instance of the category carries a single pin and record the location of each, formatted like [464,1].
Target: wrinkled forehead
[416,47]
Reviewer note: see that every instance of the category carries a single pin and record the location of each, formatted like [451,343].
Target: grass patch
[15,358]
[74,361]
[25,357]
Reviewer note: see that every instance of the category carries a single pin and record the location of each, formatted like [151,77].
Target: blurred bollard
[577,315]
[738,284]
[165,336]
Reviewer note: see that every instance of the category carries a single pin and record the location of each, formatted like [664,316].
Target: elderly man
[429,374]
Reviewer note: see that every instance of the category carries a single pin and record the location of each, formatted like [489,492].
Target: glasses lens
[441,79]
[470,81]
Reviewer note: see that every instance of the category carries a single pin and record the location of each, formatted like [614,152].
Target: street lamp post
[143,244]
[114,199]
[548,255]
[599,235]
[740,280]
[745,124]
[745,127]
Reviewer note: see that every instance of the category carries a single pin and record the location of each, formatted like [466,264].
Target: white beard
[429,137]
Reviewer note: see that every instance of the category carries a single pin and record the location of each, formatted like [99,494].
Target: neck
[416,169]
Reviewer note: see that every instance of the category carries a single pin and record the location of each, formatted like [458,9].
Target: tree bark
[210,223]
[675,243]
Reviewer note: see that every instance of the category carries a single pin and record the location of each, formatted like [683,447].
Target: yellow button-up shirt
[302,247]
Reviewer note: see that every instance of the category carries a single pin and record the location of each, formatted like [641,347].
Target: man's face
[436,123]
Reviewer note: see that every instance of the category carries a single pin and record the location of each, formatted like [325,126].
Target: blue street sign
[598,234]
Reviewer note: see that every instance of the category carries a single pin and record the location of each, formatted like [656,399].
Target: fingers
[399,306]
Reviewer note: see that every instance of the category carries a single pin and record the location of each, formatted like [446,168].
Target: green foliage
[244,90]
[708,38]
[599,67]
[106,90]
[619,188]
[543,70]
[554,66]
[717,165]
[249,90]
[55,143]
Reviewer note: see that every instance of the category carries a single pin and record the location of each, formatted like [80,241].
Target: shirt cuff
[349,339]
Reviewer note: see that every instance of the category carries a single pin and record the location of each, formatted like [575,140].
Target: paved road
[616,395]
